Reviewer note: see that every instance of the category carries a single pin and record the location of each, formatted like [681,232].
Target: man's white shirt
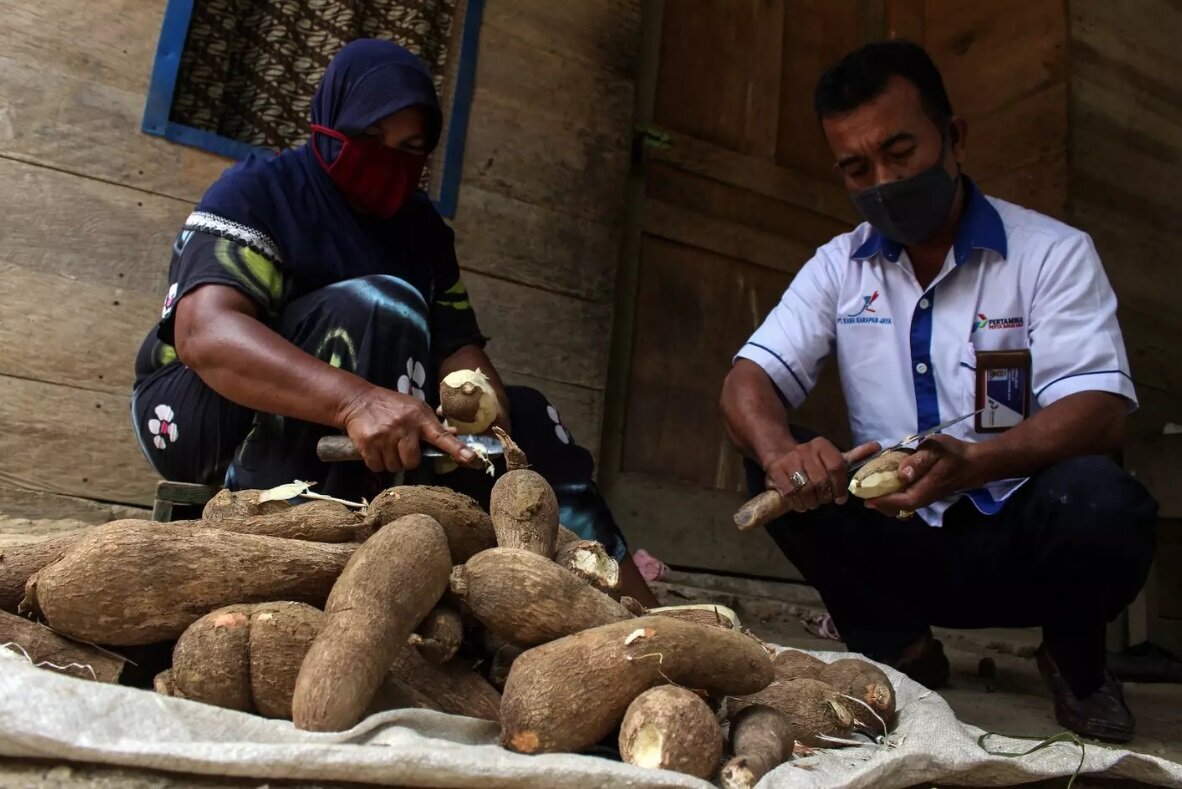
[1014,280]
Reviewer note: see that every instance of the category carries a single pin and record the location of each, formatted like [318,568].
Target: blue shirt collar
[980,228]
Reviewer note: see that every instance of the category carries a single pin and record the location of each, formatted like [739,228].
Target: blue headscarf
[321,240]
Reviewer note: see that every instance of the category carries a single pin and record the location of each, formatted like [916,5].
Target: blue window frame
[173,33]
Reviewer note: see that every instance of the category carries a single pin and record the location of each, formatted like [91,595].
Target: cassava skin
[815,709]
[634,606]
[501,663]
[670,728]
[52,652]
[386,590]
[588,560]
[567,695]
[527,599]
[524,512]
[239,504]
[468,528]
[761,739]
[317,521]
[130,583]
[19,562]
[451,687]
[280,636]
[211,659]
[867,683]
[703,615]
[468,401]
[162,684]
[438,637]
[565,535]
[794,664]
[514,455]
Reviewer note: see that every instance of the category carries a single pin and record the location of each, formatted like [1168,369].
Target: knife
[912,438]
[335,449]
[771,504]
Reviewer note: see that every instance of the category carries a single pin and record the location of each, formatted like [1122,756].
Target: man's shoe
[924,662]
[1101,715]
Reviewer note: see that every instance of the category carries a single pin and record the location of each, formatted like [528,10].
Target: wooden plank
[63,331]
[731,97]
[991,54]
[1041,186]
[534,244]
[112,42]
[62,120]
[598,32]
[733,204]
[580,409]
[1157,462]
[542,82]
[543,334]
[822,196]
[38,505]
[817,34]
[1126,243]
[547,161]
[691,528]
[1137,42]
[723,237]
[1033,128]
[694,311]
[72,442]
[57,223]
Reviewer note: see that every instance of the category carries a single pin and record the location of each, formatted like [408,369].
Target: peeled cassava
[468,401]
[880,476]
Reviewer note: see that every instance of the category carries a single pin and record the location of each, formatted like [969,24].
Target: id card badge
[1003,389]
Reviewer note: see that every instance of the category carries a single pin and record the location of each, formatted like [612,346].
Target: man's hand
[387,427]
[940,467]
[821,466]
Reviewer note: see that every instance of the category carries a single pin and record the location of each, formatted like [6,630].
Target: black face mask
[909,211]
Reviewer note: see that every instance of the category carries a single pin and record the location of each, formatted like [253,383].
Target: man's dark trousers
[1068,552]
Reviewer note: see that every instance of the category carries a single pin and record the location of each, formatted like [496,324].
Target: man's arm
[1084,423]
[756,419]
[218,336]
[471,357]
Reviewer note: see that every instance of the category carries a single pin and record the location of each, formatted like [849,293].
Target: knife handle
[336,449]
[762,510]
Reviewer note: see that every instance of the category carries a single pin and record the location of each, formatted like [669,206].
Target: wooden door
[733,190]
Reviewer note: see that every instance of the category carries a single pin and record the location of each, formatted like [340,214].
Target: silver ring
[799,480]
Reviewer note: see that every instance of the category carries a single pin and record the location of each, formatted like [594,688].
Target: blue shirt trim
[980,228]
[780,359]
[984,502]
[927,401]
[1077,375]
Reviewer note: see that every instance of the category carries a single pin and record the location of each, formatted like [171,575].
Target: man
[945,302]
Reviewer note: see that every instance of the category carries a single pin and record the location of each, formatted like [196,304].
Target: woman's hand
[387,428]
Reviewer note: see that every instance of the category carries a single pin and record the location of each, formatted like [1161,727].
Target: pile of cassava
[322,615]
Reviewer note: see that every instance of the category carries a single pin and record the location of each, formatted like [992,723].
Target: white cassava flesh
[880,476]
[469,401]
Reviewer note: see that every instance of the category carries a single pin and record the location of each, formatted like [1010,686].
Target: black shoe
[1101,715]
[929,667]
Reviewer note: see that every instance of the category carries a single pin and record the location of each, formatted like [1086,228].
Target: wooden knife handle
[762,510]
[336,449]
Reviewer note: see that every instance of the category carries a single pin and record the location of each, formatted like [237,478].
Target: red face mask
[377,179]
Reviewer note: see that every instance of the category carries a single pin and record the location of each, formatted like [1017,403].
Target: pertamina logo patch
[867,314]
[985,322]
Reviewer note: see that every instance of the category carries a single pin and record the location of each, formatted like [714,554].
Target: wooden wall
[90,207]
[1125,163]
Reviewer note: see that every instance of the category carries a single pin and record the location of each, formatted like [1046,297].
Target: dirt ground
[1013,701]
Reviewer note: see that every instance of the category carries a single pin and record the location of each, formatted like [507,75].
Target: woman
[318,292]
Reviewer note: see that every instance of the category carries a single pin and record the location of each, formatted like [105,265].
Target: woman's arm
[218,335]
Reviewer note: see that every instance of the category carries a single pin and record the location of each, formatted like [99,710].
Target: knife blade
[913,438]
[335,449]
